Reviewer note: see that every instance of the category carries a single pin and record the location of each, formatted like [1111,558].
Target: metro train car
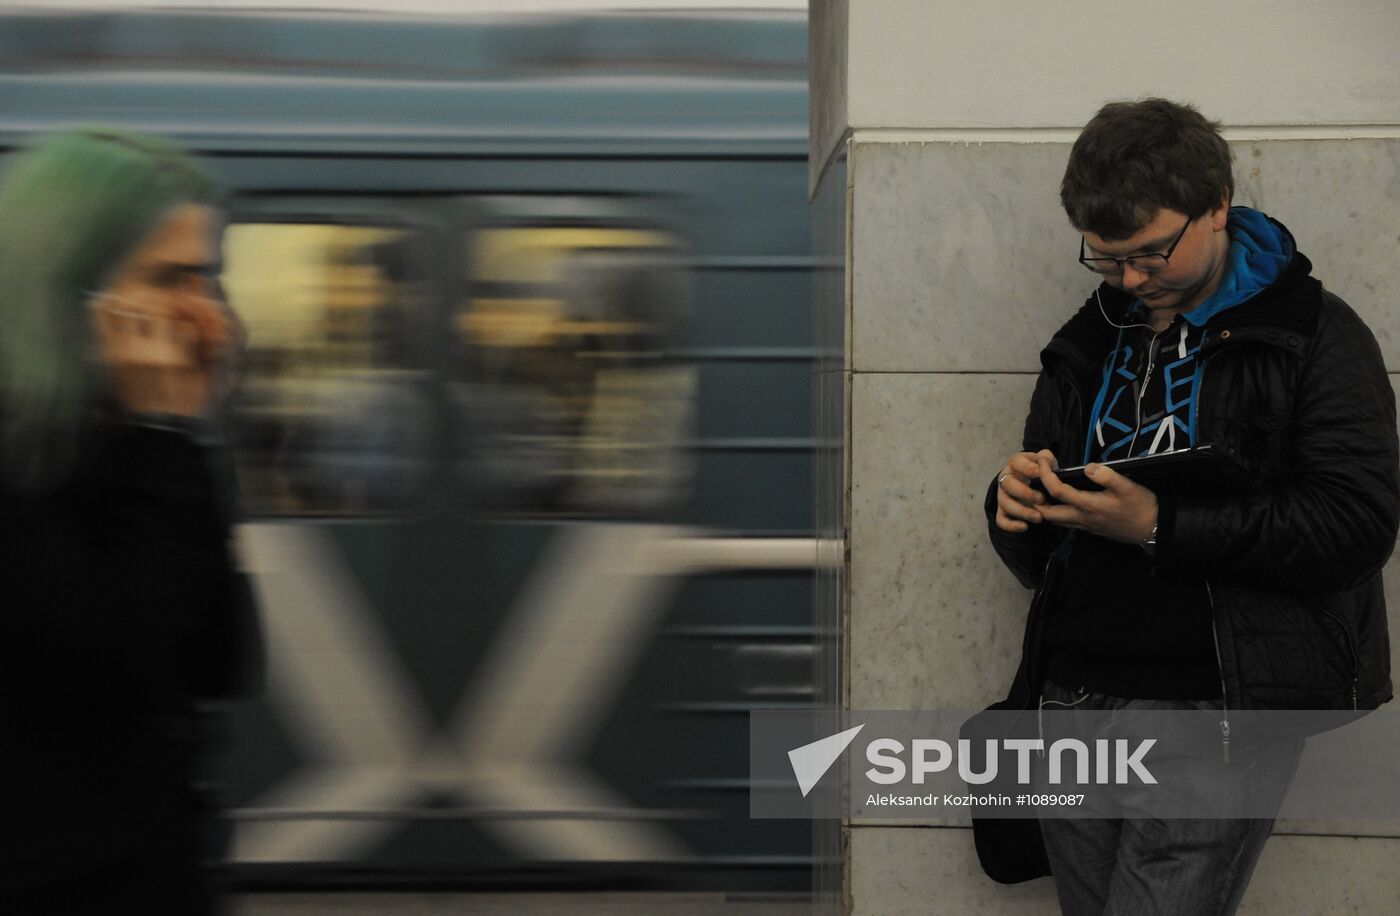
[524,437]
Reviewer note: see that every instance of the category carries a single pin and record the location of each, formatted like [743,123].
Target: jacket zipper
[1220,667]
[1355,659]
[1079,405]
[1031,649]
[1142,391]
[1210,594]
[1037,610]
[1196,401]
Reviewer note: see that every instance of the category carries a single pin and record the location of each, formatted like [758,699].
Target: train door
[459,436]
[339,439]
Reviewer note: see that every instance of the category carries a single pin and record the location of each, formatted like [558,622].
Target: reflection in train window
[331,417]
[566,401]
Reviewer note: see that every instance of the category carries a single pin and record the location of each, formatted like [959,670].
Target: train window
[330,417]
[570,403]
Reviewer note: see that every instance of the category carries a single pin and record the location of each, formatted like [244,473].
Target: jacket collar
[1283,315]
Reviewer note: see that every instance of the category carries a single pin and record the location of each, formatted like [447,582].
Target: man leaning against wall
[1207,327]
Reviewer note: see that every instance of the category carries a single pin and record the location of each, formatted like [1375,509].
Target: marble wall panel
[1324,875]
[1341,201]
[915,871]
[962,258]
[935,620]
[903,871]
[964,261]
[936,402]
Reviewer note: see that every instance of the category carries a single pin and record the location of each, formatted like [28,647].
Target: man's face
[1192,273]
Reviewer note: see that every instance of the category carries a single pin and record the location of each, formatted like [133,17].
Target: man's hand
[1018,503]
[1123,511]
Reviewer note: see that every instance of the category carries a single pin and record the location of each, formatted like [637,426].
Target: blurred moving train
[524,434]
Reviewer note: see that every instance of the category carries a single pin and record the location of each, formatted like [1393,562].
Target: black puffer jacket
[1294,387]
[124,610]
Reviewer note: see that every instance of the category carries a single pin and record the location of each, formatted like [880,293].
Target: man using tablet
[1207,327]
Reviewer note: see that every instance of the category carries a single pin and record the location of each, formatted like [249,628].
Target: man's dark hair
[1135,158]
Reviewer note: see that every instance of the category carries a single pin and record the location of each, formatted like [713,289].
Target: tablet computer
[1200,473]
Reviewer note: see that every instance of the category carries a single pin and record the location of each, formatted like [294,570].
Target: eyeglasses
[1143,263]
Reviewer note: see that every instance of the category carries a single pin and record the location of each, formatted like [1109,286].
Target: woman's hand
[160,360]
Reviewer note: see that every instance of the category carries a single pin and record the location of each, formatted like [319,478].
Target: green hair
[73,206]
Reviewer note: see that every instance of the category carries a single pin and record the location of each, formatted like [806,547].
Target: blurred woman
[122,606]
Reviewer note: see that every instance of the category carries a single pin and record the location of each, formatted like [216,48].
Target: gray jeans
[1152,866]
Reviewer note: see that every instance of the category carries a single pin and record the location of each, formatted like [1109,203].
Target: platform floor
[517,904]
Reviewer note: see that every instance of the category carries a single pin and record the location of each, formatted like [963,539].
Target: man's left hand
[1123,511]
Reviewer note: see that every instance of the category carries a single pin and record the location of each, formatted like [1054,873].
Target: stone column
[940,131]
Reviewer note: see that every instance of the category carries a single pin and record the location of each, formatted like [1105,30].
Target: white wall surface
[1019,63]
[1026,64]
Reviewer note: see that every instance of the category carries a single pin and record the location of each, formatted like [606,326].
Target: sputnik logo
[811,761]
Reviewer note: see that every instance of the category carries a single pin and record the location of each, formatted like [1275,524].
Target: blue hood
[1259,251]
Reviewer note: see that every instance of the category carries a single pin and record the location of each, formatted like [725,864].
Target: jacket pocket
[1289,652]
[1348,640]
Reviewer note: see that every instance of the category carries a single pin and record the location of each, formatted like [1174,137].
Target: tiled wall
[961,265]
